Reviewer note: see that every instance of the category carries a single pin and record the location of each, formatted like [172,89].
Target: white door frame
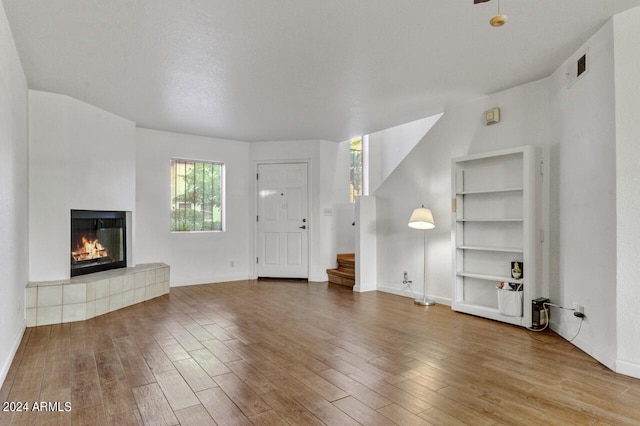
[254,209]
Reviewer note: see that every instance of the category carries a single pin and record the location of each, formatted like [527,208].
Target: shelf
[476,307]
[487,248]
[499,278]
[495,206]
[487,312]
[489,220]
[491,191]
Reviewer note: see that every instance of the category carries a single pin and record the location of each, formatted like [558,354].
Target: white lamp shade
[421,218]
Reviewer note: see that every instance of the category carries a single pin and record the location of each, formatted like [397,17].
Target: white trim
[210,280]
[365,165]
[16,344]
[317,278]
[253,271]
[628,368]
[406,293]
[223,194]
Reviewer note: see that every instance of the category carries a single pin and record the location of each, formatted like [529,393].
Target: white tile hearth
[50,295]
[116,285]
[74,293]
[102,289]
[87,296]
[49,315]
[74,312]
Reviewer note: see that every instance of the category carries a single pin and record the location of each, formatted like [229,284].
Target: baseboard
[628,368]
[16,344]
[358,289]
[229,278]
[211,280]
[396,291]
[318,278]
[405,293]
[568,331]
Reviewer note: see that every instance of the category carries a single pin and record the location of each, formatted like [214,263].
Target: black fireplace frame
[101,214]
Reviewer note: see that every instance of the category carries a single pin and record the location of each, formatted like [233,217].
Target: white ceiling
[258,70]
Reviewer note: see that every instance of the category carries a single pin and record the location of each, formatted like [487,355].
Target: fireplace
[98,241]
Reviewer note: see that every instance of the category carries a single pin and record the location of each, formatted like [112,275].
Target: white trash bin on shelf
[510,302]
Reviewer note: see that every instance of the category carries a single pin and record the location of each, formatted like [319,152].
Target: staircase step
[345,274]
[341,273]
[346,266]
[347,261]
[341,277]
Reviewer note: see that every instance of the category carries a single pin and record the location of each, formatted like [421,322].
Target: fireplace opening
[98,241]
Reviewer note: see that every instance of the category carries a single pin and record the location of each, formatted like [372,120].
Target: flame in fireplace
[89,249]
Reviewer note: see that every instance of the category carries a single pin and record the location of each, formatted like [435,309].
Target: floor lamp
[422,219]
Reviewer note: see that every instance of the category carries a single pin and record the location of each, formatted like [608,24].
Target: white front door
[283,221]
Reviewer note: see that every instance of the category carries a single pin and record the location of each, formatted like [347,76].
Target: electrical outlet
[578,308]
[405,275]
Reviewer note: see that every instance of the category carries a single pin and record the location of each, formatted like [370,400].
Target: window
[196,195]
[358,166]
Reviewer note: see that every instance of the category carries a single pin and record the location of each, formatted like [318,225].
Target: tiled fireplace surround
[86,296]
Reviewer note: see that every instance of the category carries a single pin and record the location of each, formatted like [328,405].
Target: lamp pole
[422,219]
[424,301]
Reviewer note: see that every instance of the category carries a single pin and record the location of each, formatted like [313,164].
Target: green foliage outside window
[355,168]
[196,195]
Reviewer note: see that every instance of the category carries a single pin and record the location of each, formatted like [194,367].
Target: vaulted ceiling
[258,70]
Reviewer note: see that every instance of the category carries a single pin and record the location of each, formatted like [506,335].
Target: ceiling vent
[577,67]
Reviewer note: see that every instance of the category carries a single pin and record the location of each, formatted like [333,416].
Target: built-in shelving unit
[495,222]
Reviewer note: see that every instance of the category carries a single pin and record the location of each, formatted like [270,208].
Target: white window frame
[198,214]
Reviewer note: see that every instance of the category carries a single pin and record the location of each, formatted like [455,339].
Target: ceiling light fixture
[499,20]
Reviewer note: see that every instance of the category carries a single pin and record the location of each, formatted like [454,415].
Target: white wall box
[496,220]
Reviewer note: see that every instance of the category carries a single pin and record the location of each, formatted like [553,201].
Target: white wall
[366,244]
[627,90]
[194,257]
[345,228]
[80,157]
[387,148]
[583,233]
[344,210]
[197,258]
[75,147]
[591,132]
[424,177]
[329,182]
[13,202]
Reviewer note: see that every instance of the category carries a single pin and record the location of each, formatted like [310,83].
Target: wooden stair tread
[346,259]
[341,273]
[347,282]
[345,273]
[347,256]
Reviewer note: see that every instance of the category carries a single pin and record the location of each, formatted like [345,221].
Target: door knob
[302,227]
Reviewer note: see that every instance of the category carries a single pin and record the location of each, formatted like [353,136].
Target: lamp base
[424,302]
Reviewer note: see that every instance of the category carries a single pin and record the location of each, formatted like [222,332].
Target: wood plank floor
[272,353]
